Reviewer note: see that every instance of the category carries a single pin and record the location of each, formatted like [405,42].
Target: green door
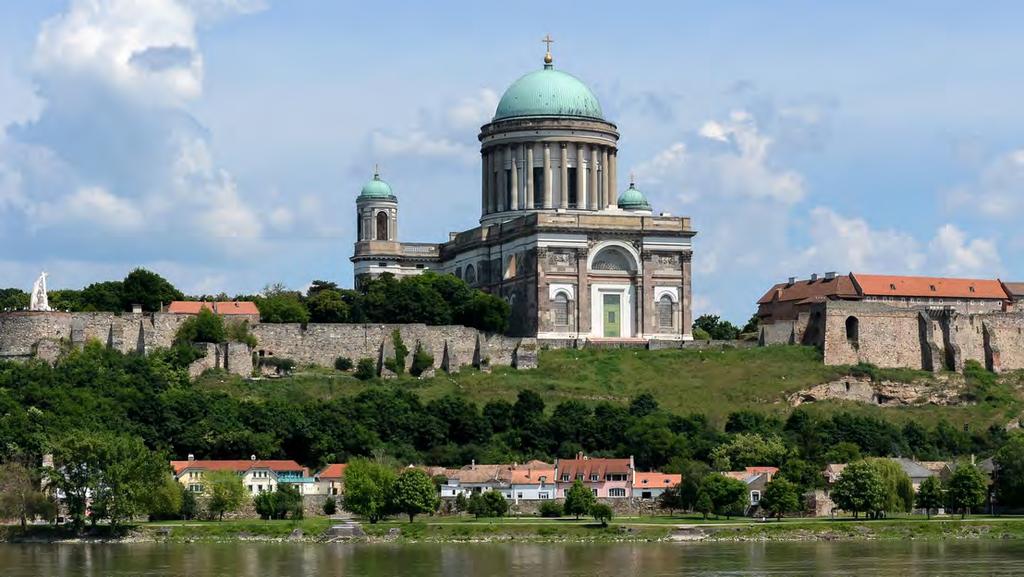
[612,316]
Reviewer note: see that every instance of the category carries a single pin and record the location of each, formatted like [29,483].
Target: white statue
[39,300]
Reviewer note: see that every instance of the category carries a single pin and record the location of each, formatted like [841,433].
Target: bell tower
[376,212]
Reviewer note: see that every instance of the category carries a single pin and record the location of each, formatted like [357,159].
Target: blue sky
[222,142]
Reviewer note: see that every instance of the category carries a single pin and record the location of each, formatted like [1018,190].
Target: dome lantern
[633,199]
[376,188]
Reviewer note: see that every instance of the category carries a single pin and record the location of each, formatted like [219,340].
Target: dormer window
[594,478]
[970,289]
[932,287]
[892,286]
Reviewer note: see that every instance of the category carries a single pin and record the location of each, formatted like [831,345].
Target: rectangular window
[594,478]
[645,495]
[573,201]
[565,478]
[508,189]
[538,187]
[519,495]
[542,495]
[755,497]
[617,492]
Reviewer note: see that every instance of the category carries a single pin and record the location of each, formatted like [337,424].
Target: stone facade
[898,336]
[25,335]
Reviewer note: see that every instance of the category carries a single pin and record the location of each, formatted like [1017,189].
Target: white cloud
[472,112]
[420,144]
[850,244]
[998,192]
[954,254]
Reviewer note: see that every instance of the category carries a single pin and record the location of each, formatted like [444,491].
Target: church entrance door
[612,315]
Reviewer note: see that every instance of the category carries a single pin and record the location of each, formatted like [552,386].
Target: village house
[534,481]
[240,310]
[757,479]
[607,478]
[331,479]
[652,484]
[258,476]
[475,478]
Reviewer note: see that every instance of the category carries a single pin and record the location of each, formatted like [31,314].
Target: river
[899,558]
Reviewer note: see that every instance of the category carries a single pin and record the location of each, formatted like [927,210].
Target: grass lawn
[714,382]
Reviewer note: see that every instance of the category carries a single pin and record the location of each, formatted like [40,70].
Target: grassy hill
[713,382]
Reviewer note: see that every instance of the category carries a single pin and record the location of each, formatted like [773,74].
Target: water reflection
[894,559]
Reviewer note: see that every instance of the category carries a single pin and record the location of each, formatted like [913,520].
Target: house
[258,476]
[1014,290]
[533,482]
[475,478]
[757,479]
[607,478]
[833,471]
[330,479]
[916,471]
[242,310]
[784,301]
[651,485]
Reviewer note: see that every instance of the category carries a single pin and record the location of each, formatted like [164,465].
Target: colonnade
[539,175]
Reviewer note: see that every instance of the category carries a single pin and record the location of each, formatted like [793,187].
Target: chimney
[472,465]
[814,276]
[252,457]
[191,457]
[792,281]
[830,275]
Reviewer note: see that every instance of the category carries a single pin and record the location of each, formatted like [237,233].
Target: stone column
[686,299]
[581,178]
[547,175]
[502,187]
[563,185]
[483,183]
[515,178]
[491,193]
[605,191]
[582,294]
[530,202]
[613,178]
[593,176]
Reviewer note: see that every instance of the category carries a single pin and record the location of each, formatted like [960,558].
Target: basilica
[575,259]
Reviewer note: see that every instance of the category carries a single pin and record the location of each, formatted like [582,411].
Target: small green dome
[376,188]
[633,199]
[548,92]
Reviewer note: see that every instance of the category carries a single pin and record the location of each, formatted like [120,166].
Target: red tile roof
[589,467]
[657,480]
[1015,289]
[237,465]
[532,476]
[840,287]
[920,286]
[333,471]
[219,307]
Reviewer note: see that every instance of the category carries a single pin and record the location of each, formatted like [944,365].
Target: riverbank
[468,530]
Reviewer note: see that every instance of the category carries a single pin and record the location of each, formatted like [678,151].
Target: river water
[896,559]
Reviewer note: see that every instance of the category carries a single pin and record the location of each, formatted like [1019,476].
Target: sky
[222,143]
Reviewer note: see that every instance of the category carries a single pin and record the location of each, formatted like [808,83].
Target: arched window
[853,331]
[664,311]
[561,307]
[613,258]
[359,227]
[470,275]
[510,266]
[382,225]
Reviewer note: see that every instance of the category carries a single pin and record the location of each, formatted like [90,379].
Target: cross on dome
[547,40]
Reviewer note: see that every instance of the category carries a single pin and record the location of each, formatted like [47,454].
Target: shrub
[700,334]
[239,332]
[602,513]
[421,361]
[205,327]
[550,509]
[330,506]
[343,364]
[281,364]
[397,364]
[366,369]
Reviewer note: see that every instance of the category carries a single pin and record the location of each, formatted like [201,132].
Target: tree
[461,503]
[728,495]
[20,497]
[578,499]
[166,501]
[330,506]
[551,509]
[860,489]
[103,296]
[477,506]
[205,327]
[899,488]
[716,328]
[368,489]
[693,473]
[280,504]
[967,488]
[496,504]
[930,495]
[414,493]
[752,325]
[146,288]
[844,452]
[13,299]
[421,361]
[189,505]
[780,497]
[365,370]
[225,492]
[282,306]
[749,450]
[672,499]
[703,504]
[1008,480]
[327,306]
[602,513]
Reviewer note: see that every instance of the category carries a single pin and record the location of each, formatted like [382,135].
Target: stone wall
[26,335]
[899,337]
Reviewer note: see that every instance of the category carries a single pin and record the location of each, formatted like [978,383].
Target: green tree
[20,497]
[166,501]
[749,450]
[414,494]
[477,507]
[330,506]
[966,489]
[602,513]
[860,489]
[716,328]
[550,509]
[205,327]
[930,495]
[280,504]
[461,503]
[703,504]
[671,499]
[780,497]
[224,491]
[365,370]
[693,473]
[898,486]
[421,361]
[496,504]
[369,487]
[189,505]
[1008,478]
[146,288]
[328,306]
[752,325]
[278,305]
[485,312]
[343,364]
[578,499]
[728,495]
[844,452]
[103,296]
[13,299]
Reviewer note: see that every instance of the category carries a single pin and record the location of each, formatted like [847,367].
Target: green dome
[548,92]
[633,199]
[376,188]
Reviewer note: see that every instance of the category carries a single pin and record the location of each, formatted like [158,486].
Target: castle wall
[885,337]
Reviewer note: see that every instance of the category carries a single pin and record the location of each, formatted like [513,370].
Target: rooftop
[226,308]
[237,465]
[922,286]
